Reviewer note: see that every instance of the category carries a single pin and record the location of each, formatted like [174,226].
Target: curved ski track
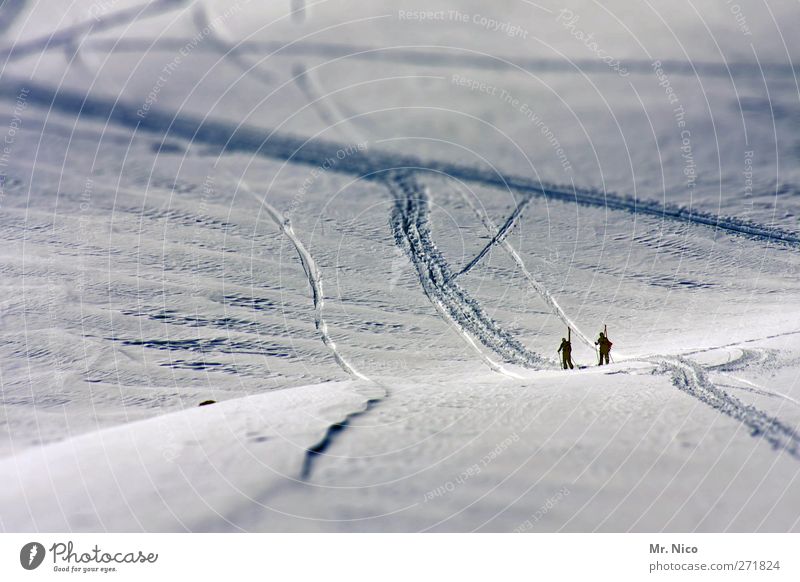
[314,280]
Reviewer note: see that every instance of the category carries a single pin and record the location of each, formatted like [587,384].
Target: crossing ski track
[538,287]
[410,224]
[498,236]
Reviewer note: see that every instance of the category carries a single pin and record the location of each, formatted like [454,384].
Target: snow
[315,221]
[178,471]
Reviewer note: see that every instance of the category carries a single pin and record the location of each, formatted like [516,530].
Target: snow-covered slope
[364,234]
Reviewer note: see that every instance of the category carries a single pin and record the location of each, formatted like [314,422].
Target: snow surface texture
[363,234]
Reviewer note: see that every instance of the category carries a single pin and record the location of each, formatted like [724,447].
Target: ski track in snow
[314,280]
[692,379]
[411,229]
[757,389]
[299,11]
[498,236]
[538,287]
[97,23]
[453,57]
[368,165]
[686,375]
[327,109]
[225,47]
[9,12]
[746,360]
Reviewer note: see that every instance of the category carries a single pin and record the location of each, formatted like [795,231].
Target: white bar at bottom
[406,557]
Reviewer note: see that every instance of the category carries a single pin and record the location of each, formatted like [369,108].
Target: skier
[605,347]
[566,353]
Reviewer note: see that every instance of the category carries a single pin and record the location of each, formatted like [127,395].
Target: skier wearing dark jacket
[566,353]
[605,347]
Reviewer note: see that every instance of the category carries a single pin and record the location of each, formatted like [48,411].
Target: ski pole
[605,330]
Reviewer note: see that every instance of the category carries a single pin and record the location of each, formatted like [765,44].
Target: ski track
[299,11]
[97,23]
[538,287]
[9,12]
[314,276]
[498,236]
[746,360]
[368,165]
[327,109]
[411,229]
[692,379]
[757,389]
[225,47]
[452,57]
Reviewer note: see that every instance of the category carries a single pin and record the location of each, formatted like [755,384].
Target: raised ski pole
[569,339]
[605,332]
[597,351]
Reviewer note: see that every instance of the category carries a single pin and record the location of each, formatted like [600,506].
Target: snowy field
[362,229]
